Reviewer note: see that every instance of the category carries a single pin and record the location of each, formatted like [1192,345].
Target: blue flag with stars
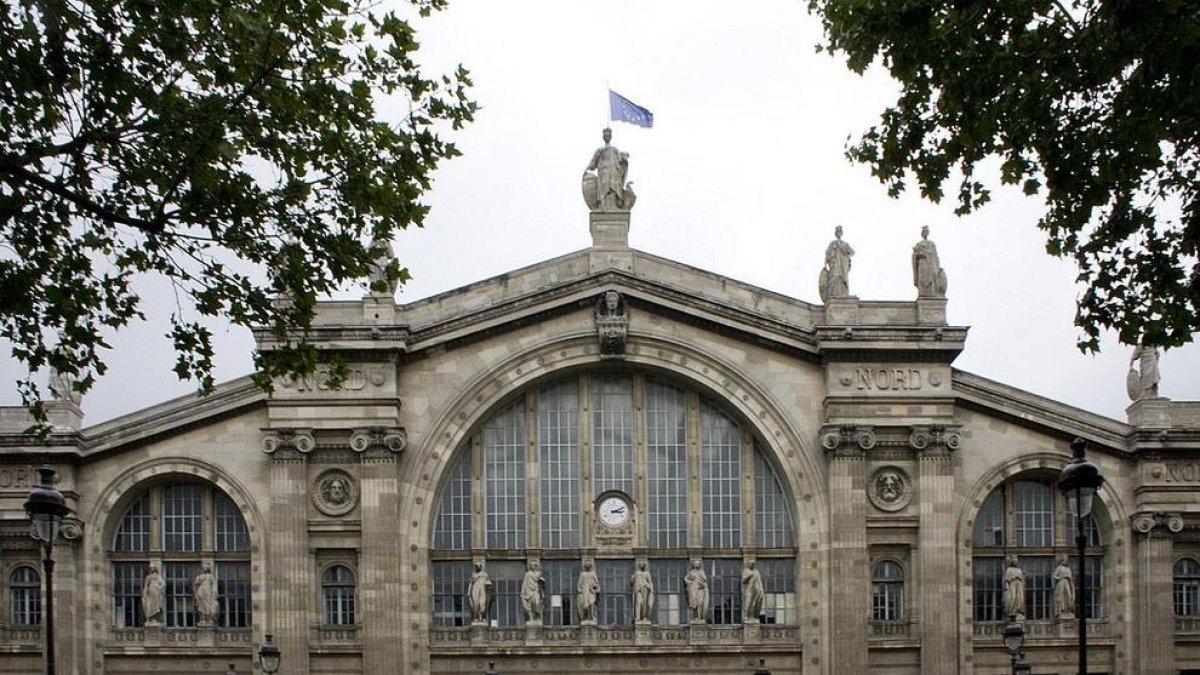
[622,109]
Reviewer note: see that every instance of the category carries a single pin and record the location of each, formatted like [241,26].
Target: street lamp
[46,508]
[268,656]
[1014,642]
[1079,481]
[762,668]
[491,669]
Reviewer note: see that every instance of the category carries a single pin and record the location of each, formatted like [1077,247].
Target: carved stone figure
[337,491]
[153,588]
[1014,589]
[752,593]
[1064,590]
[62,387]
[204,590]
[479,594]
[696,583]
[928,275]
[834,281]
[589,590]
[604,184]
[1143,380]
[889,487]
[643,594]
[377,279]
[612,325]
[533,592]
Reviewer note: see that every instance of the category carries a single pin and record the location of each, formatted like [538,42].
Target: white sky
[743,174]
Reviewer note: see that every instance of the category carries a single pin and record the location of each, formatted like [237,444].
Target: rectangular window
[558,441]
[506,578]
[612,433]
[450,607]
[724,590]
[25,597]
[988,589]
[1094,568]
[127,593]
[133,534]
[561,578]
[666,466]
[182,517]
[721,479]
[1039,587]
[504,478]
[452,529]
[773,518]
[779,588]
[233,594]
[180,607]
[670,596]
[229,526]
[613,607]
[1035,514]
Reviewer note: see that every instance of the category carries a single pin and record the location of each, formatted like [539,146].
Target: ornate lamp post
[1079,481]
[268,656]
[46,508]
[1014,642]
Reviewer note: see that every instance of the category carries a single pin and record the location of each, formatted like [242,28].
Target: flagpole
[607,104]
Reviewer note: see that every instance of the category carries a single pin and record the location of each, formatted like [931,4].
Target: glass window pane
[561,578]
[887,594]
[1094,569]
[230,528]
[504,477]
[1034,513]
[1089,527]
[127,593]
[25,597]
[724,590]
[337,589]
[612,433]
[773,518]
[133,533]
[449,587]
[721,479]
[1187,587]
[233,594]
[180,607]
[558,442]
[670,596]
[666,466]
[989,522]
[506,578]
[182,517]
[779,589]
[452,526]
[988,589]
[1039,586]
[613,606]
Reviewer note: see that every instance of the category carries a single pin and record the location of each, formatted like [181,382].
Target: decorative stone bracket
[839,440]
[1148,522]
[612,325]
[300,440]
[394,439]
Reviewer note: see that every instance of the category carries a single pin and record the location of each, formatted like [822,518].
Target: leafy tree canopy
[233,147]
[1092,104]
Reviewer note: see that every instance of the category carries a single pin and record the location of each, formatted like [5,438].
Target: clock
[613,510]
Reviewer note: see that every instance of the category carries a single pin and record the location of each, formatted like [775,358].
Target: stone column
[850,578]
[384,603]
[938,576]
[290,570]
[1153,591]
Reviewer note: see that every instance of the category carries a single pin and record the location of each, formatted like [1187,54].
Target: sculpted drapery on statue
[752,593]
[204,590]
[153,588]
[643,594]
[696,582]
[533,592]
[479,594]
[589,591]
[834,280]
[1014,589]
[928,275]
[604,184]
[1143,380]
[1064,590]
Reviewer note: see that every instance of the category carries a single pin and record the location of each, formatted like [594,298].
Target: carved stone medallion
[335,493]
[890,489]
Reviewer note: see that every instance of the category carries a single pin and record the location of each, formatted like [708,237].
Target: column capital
[1156,523]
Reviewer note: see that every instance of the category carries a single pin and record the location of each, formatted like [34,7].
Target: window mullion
[749,500]
[695,524]
[533,462]
[478,502]
[640,491]
[586,502]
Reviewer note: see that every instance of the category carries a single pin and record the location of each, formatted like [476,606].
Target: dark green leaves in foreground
[1093,105]
[238,150]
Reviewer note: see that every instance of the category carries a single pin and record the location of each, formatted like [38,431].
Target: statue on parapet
[604,184]
[1142,381]
[834,280]
[928,275]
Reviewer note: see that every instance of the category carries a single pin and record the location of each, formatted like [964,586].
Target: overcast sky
[743,174]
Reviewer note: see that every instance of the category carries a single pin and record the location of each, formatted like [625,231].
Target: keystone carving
[394,439]
[612,325]
[300,440]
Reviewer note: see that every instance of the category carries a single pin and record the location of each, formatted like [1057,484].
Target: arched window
[887,591]
[198,526]
[337,589]
[693,476]
[1187,587]
[25,596]
[1029,518]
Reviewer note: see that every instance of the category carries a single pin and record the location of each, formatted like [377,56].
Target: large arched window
[179,529]
[1029,518]
[699,486]
[24,596]
[1187,587]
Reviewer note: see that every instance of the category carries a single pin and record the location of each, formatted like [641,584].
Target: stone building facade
[608,411]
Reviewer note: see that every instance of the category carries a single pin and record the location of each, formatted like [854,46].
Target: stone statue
[204,590]
[604,185]
[589,591]
[1143,380]
[1014,589]
[928,275]
[752,593]
[377,278]
[479,594]
[533,592]
[643,594]
[612,325]
[697,592]
[153,588]
[834,281]
[1064,590]
[62,387]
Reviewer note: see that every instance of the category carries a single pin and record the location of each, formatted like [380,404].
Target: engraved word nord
[887,379]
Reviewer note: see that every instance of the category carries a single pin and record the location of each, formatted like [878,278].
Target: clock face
[613,511]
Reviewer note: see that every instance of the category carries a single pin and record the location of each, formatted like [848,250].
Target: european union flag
[622,109]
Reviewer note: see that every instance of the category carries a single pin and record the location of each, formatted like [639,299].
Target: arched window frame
[1186,576]
[888,586]
[339,595]
[179,525]
[1036,526]
[628,436]
[25,596]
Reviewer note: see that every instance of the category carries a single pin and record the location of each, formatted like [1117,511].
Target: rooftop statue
[928,275]
[604,184]
[1142,381]
[834,281]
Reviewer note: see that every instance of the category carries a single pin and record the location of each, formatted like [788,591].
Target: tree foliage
[1093,105]
[236,148]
